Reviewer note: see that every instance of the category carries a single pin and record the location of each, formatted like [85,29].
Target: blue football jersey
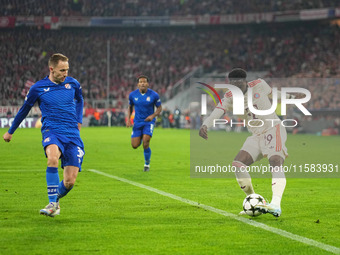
[61,106]
[144,104]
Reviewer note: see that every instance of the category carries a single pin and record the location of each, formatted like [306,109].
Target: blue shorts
[143,128]
[72,149]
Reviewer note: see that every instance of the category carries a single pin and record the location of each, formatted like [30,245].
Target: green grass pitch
[102,215]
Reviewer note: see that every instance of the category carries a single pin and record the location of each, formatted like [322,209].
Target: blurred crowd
[163,57]
[167,54]
[152,8]
[325,91]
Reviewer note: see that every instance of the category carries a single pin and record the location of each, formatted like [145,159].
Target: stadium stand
[167,54]
[152,8]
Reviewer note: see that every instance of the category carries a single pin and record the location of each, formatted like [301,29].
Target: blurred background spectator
[282,50]
[152,8]
[167,54]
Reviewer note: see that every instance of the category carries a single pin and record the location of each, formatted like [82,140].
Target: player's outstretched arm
[208,122]
[204,132]
[21,115]
[7,137]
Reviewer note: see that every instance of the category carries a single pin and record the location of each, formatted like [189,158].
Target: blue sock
[147,156]
[52,179]
[62,190]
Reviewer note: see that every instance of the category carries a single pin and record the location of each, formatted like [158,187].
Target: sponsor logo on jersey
[253,83]
[136,98]
[47,140]
[68,86]
[148,99]
[46,89]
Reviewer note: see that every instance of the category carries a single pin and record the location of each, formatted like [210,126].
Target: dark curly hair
[237,73]
[143,76]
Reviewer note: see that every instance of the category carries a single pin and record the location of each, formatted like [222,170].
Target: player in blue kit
[61,104]
[144,101]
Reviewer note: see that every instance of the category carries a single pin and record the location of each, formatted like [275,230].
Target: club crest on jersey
[148,99]
[47,140]
[256,95]
[68,86]
[136,98]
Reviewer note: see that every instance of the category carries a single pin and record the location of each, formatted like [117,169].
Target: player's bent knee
[52,161]
[276,160]
[238,165]
[135,146]
[244,157]
[135,142]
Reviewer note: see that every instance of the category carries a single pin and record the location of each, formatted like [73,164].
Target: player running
[61,104]
[144,101]
[267,140]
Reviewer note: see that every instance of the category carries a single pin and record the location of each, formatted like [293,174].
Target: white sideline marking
[277,231]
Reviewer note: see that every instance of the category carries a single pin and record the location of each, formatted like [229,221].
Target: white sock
[243,178]
[278,187]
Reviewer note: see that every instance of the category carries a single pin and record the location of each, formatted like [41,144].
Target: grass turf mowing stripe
[277,231]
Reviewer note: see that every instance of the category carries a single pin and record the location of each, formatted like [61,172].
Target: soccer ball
[250,202]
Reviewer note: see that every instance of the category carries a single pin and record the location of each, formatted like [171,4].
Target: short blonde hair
[55,58]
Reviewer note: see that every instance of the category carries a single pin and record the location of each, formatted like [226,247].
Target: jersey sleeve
[266,89]
[21,115]
[157,100]
[30,100]
[260,86]
[220,109]
[131,100]
[226,102]
[32,95]
[79,103]
[216,114]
